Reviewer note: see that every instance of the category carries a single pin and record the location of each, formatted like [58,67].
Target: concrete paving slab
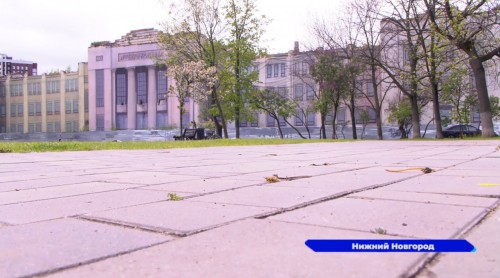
[76,205]
[464,185]
[202,186]
[266,196]
[485,262]
[432,198]
[416,220]
[145,177]
[179,217]
[45,182]
[29,195]
[251,248]
[47,246]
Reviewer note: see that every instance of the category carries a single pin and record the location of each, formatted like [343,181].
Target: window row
[141,78]
[276,70]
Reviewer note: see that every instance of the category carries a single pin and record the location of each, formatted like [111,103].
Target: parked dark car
[456,131]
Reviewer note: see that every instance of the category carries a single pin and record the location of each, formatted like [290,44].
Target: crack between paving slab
[330,197]
[418,202]
[87,262]
[430,258]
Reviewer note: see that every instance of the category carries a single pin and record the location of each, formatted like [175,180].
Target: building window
[86,101]
[100,122]
[121,121]
[20,128]
[142,85]
[3,110]
[50,127]
[31,128]
[309,92]
[161,84]
[13,109]
[99,88]
[20,110]
[31,110]
[50,108]
[282,121]
[57,108]
[283,70]
[99,58]
[299,118]
[34,89]
[255,122]
[2,90]
[298,92]
[369,88]
[38,108]
[57,127]
[68,106]
[281,91]
[476,117]
[161,119]
[38,127]
[270,121]
[276,70]
[52,86]
[75,106]
[311,118]
[121,87]
[341,116]
[69,127]
[72,85]
[16,90]
[269,70]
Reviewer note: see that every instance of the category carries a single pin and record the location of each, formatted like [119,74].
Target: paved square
[110,213]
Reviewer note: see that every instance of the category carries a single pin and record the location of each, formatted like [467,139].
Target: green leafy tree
[456,91]
[401,114]
[245,32]
[472,26]
[273,104]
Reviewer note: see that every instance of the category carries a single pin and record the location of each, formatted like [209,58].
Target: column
[131,99]
[43,87]
[7,103]
[108,100]
[92,101]
[81,96]
[25,104]
[152,101]
[62,100]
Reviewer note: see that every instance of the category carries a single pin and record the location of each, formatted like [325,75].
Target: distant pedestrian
[193,124]
[60,137]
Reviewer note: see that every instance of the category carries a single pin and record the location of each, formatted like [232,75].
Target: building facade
[8,66]
[44,103]
[128,88]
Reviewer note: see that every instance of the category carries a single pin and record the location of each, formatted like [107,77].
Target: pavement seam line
[431,258]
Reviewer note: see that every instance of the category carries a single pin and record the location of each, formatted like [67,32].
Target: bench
[188,134]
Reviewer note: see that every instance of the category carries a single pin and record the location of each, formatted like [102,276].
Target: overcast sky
[57,33]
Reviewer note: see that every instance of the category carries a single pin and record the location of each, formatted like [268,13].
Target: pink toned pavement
[109,213]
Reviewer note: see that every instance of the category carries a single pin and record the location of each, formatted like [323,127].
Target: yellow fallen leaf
[489,184]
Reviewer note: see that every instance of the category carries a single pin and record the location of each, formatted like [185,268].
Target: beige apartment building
[45,103]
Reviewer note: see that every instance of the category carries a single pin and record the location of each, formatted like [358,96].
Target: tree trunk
[415,117]
[353,117]
[323,128]
[378,117]
[482,96]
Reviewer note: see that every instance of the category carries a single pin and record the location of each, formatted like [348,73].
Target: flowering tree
[193,80]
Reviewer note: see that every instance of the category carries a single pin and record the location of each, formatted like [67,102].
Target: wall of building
[44,103]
